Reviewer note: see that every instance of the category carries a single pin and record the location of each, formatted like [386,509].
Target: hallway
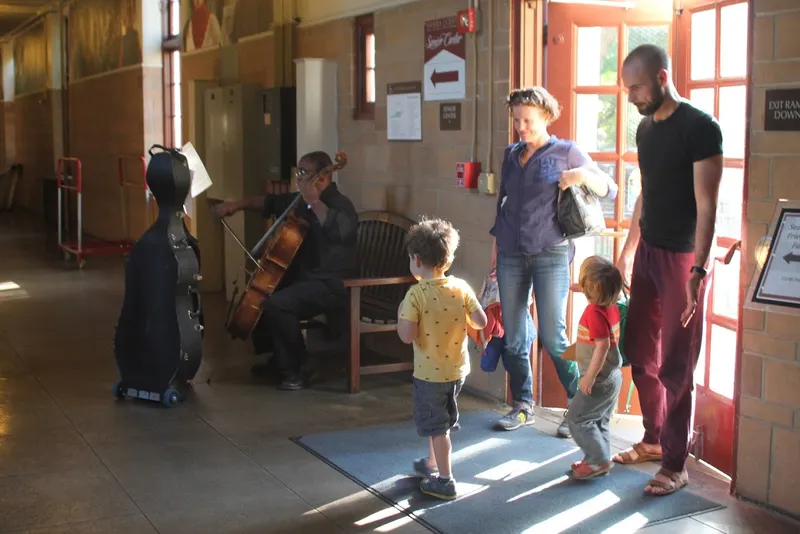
[74,460]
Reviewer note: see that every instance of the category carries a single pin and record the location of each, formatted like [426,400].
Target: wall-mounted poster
[31,59]
[212,23]
[104,35]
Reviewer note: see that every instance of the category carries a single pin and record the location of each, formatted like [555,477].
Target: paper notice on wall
[200,178]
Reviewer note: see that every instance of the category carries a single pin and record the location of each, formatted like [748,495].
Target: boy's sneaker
[436,487]
[516,418]
[422,469]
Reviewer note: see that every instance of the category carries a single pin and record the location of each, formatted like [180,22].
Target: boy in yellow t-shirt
[433,316]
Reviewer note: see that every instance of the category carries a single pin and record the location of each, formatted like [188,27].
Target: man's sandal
[675,483]
[642,456]
[584,471]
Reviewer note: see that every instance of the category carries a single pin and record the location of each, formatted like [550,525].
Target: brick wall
[418,177]
[768,463]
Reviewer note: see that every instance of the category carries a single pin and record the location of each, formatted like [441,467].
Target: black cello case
[158,345]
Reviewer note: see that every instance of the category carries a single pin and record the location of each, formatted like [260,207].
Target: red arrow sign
[442,77]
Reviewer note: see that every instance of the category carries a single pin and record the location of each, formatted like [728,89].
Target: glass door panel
[714,79]
[586,45]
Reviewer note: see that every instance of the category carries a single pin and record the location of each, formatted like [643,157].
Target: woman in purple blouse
[530,252]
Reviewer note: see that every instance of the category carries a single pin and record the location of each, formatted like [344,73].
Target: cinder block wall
[768,463]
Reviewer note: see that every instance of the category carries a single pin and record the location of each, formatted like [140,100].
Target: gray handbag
[579,212]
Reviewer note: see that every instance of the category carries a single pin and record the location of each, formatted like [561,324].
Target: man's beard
[659,95]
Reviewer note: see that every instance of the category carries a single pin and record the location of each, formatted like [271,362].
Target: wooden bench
[376,295]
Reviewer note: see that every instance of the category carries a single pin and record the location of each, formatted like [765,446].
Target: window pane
[579,304]
[632,120]
[609,206]
[726,286]
[723,358]
[704,44]
[585,247]
[729,210]
[732,106]
[175,18]
[639,35]
[370,55]
[700,370]
[733,41]
[597,56]
[633,187]
[703,99]
[370,85]
[596,117]
[589,246]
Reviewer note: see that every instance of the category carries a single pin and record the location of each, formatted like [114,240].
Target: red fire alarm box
[466,21]
[467,174]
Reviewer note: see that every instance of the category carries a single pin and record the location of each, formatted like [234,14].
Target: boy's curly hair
[434,241]
[600,281]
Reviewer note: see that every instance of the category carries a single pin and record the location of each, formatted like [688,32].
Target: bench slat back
[381,254]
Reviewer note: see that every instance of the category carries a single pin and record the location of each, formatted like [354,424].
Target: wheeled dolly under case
[158,345]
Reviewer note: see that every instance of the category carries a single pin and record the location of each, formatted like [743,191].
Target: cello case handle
[162,147]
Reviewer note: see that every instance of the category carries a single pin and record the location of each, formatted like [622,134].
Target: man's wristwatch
[699,270]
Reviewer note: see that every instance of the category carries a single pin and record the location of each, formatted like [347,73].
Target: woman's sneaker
[436,487]
[516,418]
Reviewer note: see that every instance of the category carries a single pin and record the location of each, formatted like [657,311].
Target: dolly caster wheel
[118,391]
[171,398]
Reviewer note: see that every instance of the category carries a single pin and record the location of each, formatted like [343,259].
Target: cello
[273,255]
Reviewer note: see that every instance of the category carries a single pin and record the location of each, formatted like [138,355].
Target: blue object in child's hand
[491,354]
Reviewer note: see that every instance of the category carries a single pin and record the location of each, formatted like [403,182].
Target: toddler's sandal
[584,471]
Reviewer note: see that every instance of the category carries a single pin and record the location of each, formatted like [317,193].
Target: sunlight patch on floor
[571,517]
[538,489]
[632,523]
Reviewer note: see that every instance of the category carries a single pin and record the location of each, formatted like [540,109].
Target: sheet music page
[200,178]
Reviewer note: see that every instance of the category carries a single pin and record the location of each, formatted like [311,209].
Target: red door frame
[517,32]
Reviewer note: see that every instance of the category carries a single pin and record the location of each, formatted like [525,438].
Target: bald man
[665,258]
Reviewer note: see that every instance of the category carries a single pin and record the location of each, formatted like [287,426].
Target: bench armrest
[369,282]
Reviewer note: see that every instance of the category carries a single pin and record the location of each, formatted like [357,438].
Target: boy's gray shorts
[436,406]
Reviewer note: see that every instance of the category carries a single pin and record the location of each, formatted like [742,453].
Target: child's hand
[585,384]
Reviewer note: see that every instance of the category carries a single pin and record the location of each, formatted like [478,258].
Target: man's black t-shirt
[668,150]
[330,250]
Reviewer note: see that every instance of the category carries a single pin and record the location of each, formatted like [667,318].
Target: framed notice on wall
[779,281]
[404,111]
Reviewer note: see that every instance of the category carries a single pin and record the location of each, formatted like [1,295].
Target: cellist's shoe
[296,381]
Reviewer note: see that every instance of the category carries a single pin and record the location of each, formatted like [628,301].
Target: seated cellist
[313,285]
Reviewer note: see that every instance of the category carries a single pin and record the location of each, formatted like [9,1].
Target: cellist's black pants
[279,326]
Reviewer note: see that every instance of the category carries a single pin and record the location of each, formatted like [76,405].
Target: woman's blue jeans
[547,274]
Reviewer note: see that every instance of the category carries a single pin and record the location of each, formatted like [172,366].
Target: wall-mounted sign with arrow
[779,281]
[443,77]
[792,258]
[445,60]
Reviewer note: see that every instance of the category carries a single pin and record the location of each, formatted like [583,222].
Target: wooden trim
[363,26]
[386,368]
[369,282]
[743,275]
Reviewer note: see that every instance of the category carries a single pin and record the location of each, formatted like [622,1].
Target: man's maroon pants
[663,354]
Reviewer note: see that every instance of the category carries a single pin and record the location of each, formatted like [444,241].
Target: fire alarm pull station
[486,183]
[467,21]
[467,174]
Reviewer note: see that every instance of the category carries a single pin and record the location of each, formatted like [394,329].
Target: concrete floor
[74,460]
